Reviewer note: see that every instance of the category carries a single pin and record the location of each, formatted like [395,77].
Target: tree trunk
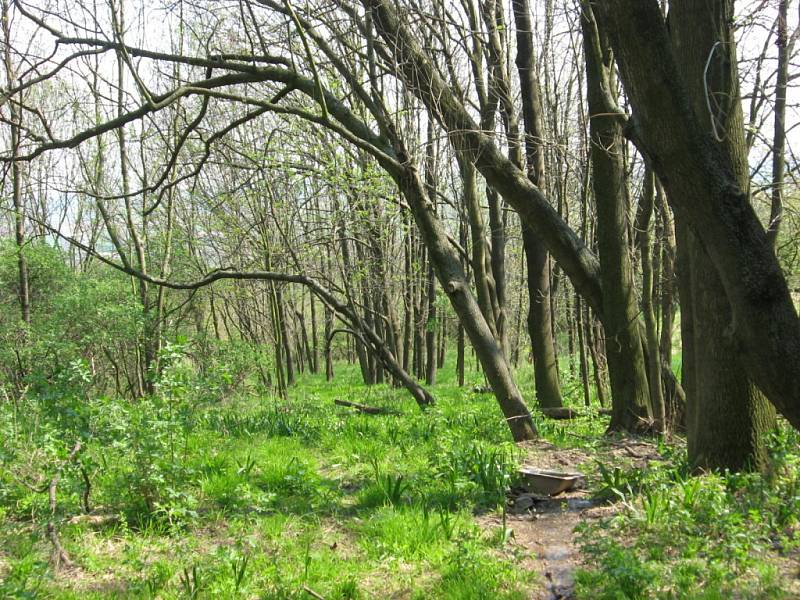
[545,367]
[643,219]
[630,396]
[537,260]
[23,292]
[701,180]
[328,349]
[779,130]
[727,418]
[454,283]
[584,366]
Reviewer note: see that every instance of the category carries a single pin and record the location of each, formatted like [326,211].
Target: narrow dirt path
[545,526]
[547,532]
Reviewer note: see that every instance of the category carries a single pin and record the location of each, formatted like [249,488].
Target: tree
[631,408]
[709,195]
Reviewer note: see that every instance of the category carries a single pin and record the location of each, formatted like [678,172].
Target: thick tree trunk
[727,418]
[700,178]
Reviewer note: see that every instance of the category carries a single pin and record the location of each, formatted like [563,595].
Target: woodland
[314,300]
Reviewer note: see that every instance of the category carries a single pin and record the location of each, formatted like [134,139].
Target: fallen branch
[312,593]
[560,412]
[363,408]
[565,412]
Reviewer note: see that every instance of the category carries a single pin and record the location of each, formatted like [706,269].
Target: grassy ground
[256,497]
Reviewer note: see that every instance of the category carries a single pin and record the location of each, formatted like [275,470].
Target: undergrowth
[715,535]
[194,494]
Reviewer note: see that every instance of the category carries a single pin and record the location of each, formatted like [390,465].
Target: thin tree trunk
[23,291]
[643,219]
[630,394]
[328,350]
[540,318]
[584,367]
[779,129]
[314,337]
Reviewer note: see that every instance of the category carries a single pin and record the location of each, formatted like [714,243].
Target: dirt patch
[544,455]
[545,527]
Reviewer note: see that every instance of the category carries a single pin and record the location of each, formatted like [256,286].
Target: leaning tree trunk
[455,284]
[701,180]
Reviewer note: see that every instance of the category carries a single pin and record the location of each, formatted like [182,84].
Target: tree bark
[779,128]
[537,260]
[643,219]
[23,291]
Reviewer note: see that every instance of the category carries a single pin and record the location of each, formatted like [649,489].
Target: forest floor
[256,497]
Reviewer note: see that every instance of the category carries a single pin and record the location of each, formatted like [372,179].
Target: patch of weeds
[709,536]
[410,532]
[25,577]
[393,486]
[471,572]
[491,469]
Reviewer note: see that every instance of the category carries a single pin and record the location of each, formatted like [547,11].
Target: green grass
[718,535]
[257,497]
